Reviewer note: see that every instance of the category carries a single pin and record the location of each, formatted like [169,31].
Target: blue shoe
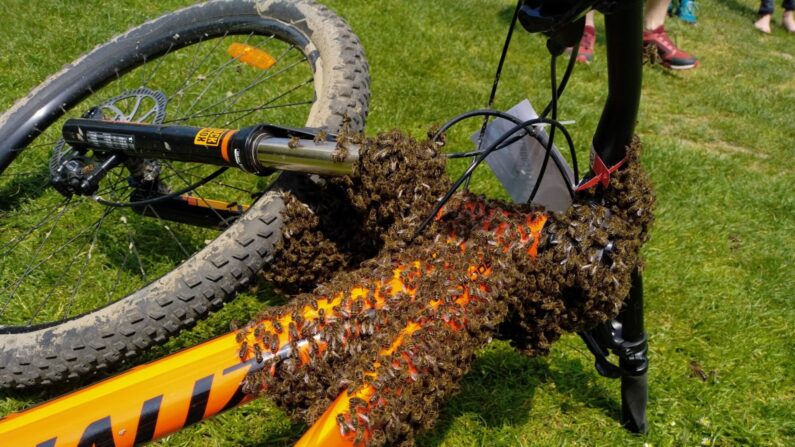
[687,11]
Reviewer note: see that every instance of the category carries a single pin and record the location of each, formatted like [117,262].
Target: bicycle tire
[80,346]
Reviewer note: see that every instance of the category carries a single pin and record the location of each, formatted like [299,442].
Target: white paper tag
[519,165]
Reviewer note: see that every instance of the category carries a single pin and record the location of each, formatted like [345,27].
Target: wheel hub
[74,172]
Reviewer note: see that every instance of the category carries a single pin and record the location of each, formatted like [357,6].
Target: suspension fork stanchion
[257,149]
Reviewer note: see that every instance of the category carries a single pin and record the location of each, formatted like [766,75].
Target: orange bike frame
[162,397]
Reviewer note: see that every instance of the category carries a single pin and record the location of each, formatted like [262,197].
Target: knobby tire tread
[81,347]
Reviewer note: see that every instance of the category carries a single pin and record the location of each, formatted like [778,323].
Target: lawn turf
[719,269]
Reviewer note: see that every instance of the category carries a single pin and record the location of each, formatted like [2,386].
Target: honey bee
[258,353]
[258,331]
[294,142]
[343,425]
[321,137]
[243,351]
[293,332]
[274,346]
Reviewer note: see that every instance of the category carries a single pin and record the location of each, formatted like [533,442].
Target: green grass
[720,280]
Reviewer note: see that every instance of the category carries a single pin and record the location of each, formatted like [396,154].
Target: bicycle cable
[497,76]
[153,200]
[508,142]
[506,138]
[550,142]
[482,156]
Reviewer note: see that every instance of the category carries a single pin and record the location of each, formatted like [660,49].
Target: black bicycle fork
[625,337]
[258,149]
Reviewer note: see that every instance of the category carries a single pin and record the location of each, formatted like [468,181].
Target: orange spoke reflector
[251,56]
[214,204]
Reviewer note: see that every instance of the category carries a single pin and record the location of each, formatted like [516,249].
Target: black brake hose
[565,80]
[154,200]
[500,64]
[468,173]
[508,142]
[550,142]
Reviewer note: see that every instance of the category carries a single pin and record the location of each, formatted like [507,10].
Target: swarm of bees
[343,222]
[398,332]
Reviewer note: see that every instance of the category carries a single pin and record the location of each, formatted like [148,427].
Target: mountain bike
[152,157]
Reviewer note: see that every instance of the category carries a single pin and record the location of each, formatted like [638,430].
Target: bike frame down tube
[143,404]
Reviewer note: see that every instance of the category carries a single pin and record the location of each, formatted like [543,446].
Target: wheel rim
[63,257]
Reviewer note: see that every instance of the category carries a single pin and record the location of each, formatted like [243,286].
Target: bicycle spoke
[248,111]
[162,58]
[38,225]
[117,280]
[80,277]
[180,93]
[284,70]
[50,143]
[220,218]
[218,70]
[51,292]
[188,85]
[30,268]
[63,246]
[188,171]
[134,250]
[258,80]
[168,229]
[264,106]
[234,188]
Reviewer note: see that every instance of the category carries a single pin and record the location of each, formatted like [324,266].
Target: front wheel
[85,285]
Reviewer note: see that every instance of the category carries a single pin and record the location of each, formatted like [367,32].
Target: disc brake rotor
[140,105]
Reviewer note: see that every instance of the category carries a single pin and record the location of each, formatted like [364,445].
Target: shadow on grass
[21,188]
[500,388]
[741,8]
[506,14]
[286,435]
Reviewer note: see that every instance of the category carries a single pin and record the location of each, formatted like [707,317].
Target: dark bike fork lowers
[625,335]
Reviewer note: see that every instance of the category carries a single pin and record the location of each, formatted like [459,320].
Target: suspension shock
[258,150]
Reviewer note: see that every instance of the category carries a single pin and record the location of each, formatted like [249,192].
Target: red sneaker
[585,53]
[671,56]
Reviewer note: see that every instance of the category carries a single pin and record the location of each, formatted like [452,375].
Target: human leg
[654,14]
[588,40]
[766,7]
[687,11]
[654,35]
[765,14]
[585,54]
[789,15]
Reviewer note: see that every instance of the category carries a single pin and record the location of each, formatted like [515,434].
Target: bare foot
[763,24]
[789,21]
